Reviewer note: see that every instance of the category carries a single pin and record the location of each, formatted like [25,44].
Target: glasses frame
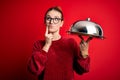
[50,19]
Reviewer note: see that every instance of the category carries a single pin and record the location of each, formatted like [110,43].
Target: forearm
[82,65]
[37,62]
[85,63]
[46,47]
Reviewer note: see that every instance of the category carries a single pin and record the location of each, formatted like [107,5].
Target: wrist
[46,47]
[84,54]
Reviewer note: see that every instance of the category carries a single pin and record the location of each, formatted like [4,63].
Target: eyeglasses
[55,20]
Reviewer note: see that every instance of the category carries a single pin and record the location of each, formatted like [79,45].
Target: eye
[48,18]
[57,19]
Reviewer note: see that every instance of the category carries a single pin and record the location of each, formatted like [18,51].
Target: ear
[62,23]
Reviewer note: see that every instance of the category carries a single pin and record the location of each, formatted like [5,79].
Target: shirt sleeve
[36,63]
[81,65]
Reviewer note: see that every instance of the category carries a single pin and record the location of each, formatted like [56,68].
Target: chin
[52,31]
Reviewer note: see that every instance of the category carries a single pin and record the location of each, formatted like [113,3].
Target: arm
[37,61]
[81,59]
[81,65]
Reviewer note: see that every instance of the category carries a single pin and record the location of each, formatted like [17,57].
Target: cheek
[60,24]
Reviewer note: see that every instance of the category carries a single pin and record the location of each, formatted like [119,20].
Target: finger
[50,35]
[83,47]
[88,40]
[46,32]
[83,43]
[81,37]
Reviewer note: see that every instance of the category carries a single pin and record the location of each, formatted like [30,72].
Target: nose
[51,21]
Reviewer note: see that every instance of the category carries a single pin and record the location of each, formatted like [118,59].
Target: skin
[52,34]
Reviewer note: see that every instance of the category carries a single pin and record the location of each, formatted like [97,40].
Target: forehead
[53,13]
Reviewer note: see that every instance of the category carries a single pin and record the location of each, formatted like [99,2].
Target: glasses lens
[48,18]
[55,20]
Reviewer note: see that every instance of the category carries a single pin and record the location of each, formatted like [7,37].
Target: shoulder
[69,40]
[39,43]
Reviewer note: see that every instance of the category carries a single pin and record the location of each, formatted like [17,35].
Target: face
[53,21]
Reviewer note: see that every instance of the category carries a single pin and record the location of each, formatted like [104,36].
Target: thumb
[88,40]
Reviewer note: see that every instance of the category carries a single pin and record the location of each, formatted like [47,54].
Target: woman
[57,57]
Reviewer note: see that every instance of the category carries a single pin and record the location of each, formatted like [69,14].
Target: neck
[56,36]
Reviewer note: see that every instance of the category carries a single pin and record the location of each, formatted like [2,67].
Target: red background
[21,24]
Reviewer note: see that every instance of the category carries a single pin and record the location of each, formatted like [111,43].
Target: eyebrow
[50,16]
